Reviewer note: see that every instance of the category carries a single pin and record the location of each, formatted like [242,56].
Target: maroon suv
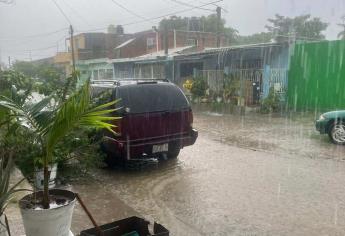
[156,119]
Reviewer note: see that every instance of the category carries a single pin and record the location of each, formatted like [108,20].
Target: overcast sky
[27,26]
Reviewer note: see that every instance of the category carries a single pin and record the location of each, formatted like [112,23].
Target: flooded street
[252,175]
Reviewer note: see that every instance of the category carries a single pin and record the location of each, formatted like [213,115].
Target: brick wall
[146,42]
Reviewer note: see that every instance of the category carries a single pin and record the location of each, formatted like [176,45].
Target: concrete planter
[39,177]
[43,222]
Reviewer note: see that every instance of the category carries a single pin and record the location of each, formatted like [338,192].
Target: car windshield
[141,98]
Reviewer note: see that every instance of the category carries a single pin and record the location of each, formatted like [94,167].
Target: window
[152,97]
[109,74]
[192,42]
[102,74]
[95,74]
[150,42]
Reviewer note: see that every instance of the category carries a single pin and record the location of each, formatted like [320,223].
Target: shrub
[270,103]
[231,87]
[199,87]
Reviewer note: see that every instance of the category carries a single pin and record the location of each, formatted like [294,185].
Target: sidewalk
[102,203]
[90,192]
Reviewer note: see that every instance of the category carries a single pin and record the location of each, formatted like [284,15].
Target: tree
[302,27]
[48,77]
[27,68]
[263,37]
[203,23]
[12,80]
[341,34]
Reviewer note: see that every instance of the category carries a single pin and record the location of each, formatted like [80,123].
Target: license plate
[160,148]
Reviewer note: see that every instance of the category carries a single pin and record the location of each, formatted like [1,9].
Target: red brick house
[150,41]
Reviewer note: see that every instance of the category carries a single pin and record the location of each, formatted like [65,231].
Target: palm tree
[50,126]
[341,34]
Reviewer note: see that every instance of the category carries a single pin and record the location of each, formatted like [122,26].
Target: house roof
[125,43]
[245,46]
[153,56]
[92,61]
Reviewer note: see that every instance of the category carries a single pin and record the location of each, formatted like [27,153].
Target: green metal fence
[317,76]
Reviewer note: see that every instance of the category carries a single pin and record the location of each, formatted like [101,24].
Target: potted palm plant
[49,212]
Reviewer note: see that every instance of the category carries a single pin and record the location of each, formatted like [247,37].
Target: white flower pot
[3,228]
[39,177]
[52,222]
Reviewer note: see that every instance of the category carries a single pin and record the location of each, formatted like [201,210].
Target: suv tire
[174,150]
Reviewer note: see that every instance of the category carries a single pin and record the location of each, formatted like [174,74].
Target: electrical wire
[176,12]
[190,5]
[34,36]
[62,12]
[157,17]
[38,49]
[76,13]
[128,10]
[224,9]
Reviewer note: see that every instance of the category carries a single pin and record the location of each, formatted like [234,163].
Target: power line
[128,10]
[174,13]
[190,5]
[159,17]
[37,49]
[62,12]
[224,9]
[76,13]
[34,36]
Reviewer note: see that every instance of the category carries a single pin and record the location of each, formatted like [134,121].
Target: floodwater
[252,175]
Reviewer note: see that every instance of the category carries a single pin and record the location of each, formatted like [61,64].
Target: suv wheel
[337,133]
[174,150]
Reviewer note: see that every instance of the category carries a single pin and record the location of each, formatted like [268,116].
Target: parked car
[157,119]
[333,124]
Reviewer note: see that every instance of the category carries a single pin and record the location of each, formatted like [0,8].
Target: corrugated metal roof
[125,43]
[153,56]
[245,46]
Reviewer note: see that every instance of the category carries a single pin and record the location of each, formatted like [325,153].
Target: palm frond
[38,107]
[30,116]
[6,193]
[106,105]
[76,111]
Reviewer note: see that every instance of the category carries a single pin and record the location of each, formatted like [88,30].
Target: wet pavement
[251,175]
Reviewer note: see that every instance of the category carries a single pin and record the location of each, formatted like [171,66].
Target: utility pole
[72,48]
[9,61]
[219,16]
[0,59]
[166,51]
[166,39]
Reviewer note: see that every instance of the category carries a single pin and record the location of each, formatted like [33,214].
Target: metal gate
[254,83]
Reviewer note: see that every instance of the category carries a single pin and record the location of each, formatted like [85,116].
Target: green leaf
[77,111]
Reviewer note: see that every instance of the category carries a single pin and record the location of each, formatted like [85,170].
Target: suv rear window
[141,98]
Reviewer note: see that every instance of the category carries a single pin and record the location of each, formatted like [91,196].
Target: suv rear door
[153,110]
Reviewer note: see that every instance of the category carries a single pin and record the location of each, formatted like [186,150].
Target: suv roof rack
[138,80]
